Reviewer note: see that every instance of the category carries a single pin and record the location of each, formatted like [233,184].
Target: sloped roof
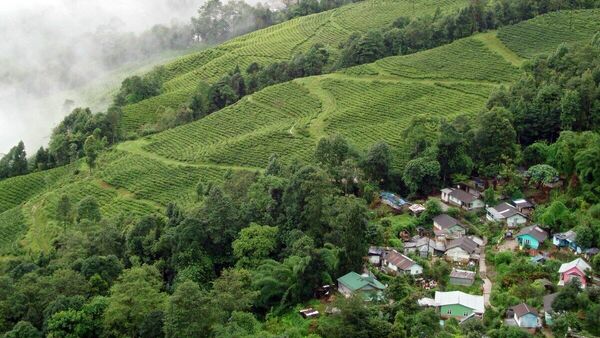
[457,297]
[506,210]
[569,235]
[522,203]
[355,281]
[462,274]
[464,243]
[535,232]
[462,196]
[399,260]
[578,263]
[548,300]
[446,221]
[523,309]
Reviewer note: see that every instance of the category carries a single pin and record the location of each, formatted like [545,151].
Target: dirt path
[487,283]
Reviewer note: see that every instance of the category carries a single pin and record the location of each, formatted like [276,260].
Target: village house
[462,250]
[523,206]
[424,247]
[393,201]
[375,254]
[532,236]
[548,311]
[365,285]
[567,240]
[399,264]
[462,277]
[416,209]
[446,226]
[506,213]
[457,304]
[461,198]
[574,270]
[523,316]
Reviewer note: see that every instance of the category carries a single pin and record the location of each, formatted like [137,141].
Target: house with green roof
[367,286]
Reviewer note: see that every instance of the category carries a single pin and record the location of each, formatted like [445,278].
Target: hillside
[276,43]
[365,104]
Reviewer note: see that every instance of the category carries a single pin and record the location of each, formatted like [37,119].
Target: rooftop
[445,221]
[355,281]
[569,235]
[464,243]
[535,232]
[523,309]
[462,196]
[463,274]
[578,263]
[457,297]
[399,260]
[506,210]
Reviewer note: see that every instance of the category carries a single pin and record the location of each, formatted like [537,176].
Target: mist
[51,49]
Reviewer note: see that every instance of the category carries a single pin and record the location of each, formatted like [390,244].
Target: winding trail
[487,283]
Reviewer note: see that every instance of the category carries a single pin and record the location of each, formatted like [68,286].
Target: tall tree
[134,297]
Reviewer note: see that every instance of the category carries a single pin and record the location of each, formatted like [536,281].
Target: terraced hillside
[276,43]
[542,34]
[365,104]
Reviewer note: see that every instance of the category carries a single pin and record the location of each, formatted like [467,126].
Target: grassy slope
[275,43]
[364,103]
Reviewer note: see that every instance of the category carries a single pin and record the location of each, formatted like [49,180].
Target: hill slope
[276,43]
[366,104]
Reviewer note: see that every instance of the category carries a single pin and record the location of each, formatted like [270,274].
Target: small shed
[393,201]
[462,277]
[309,313]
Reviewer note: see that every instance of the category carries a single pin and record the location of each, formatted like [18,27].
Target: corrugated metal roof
[457,297]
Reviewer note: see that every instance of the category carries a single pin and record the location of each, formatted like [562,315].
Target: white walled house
[398,263]
[461,198]
[506,213]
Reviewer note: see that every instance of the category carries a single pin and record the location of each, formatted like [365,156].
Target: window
[449,311]
[465,314]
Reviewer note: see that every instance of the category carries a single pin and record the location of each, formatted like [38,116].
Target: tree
[535,153]
[63,210]
[567,299]
[542,174]
[585,236]
[88,209]
[135,295]
[348,221]
[422,175]
[556,216]
[489,196]
[92,147]
[570,105]
[15,162]
[188,312]
[331,151]
[23,329]
[254,244]
[493,140]
[377,163]
[221,94]
[452,153]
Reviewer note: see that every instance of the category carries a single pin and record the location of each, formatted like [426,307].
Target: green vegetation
[237,217]
[544,33]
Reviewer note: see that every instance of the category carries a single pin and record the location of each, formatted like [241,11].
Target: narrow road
[487,283]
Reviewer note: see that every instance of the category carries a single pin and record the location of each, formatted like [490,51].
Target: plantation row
[255,149]
[278,105]
[372,111]
[12,226]
[466,59]
[16,190]
[544,33]
[275,43]
[153,180]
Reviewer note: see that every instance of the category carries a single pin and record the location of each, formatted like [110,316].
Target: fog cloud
[50,48]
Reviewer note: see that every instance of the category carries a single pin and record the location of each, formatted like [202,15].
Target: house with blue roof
[392,200]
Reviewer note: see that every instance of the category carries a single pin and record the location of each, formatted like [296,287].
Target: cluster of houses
[450,241]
